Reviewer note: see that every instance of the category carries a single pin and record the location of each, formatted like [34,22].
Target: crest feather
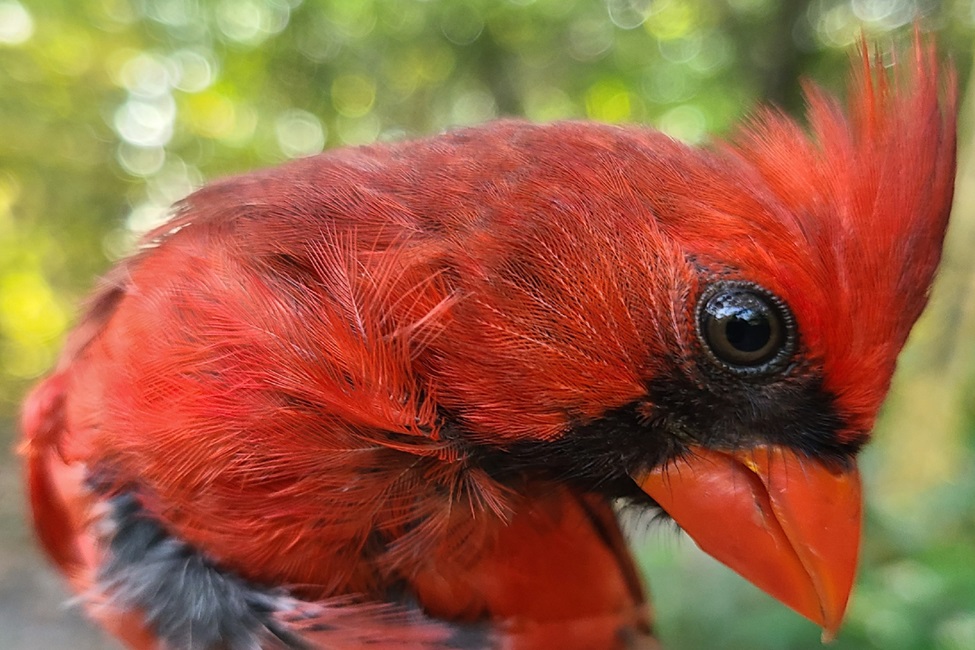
[870,189]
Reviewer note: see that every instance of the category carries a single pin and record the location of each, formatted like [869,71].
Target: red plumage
[388,385]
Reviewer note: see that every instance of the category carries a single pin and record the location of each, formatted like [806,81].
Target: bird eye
[746,329]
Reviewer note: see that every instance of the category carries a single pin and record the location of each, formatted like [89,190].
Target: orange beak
[788,524]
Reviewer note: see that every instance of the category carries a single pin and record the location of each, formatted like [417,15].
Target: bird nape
[389,395]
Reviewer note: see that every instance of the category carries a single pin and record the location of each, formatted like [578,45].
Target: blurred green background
[112,109]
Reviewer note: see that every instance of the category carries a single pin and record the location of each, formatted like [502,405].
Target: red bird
[389,395]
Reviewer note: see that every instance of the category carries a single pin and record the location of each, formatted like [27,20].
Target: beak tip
[833,618]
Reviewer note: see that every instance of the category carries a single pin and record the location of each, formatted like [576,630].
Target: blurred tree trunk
[771,51]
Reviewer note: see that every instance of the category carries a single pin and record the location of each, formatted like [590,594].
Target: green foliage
[110,110]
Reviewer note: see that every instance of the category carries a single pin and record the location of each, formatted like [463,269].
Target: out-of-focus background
[112,109]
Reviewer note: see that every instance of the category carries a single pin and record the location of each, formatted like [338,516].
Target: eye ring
[745,329]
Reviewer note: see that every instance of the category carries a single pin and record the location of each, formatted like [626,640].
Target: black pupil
[743,328]
[748,331]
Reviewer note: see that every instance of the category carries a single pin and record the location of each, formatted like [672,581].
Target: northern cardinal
[389,395]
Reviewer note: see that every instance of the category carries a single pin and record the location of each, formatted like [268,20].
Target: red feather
[323,378]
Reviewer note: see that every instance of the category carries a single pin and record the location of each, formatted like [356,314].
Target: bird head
[716,327]
[823,293]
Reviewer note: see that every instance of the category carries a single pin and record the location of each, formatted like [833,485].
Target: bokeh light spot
[837,26]
[547,103]
[590,38]
[31,319]
[686,123]
[146,216]
[608,101]
[683,49]
[473,107]
[461,23]
[196,70]
[146,123]
[211,115]
[887,13]
[668,83]
[174,181]
[355,131]
[671,19]
[251,22]
[629,14]
[716,52]
[146,75]
[299,133]
[16,23]
[353,95]
[140,161]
